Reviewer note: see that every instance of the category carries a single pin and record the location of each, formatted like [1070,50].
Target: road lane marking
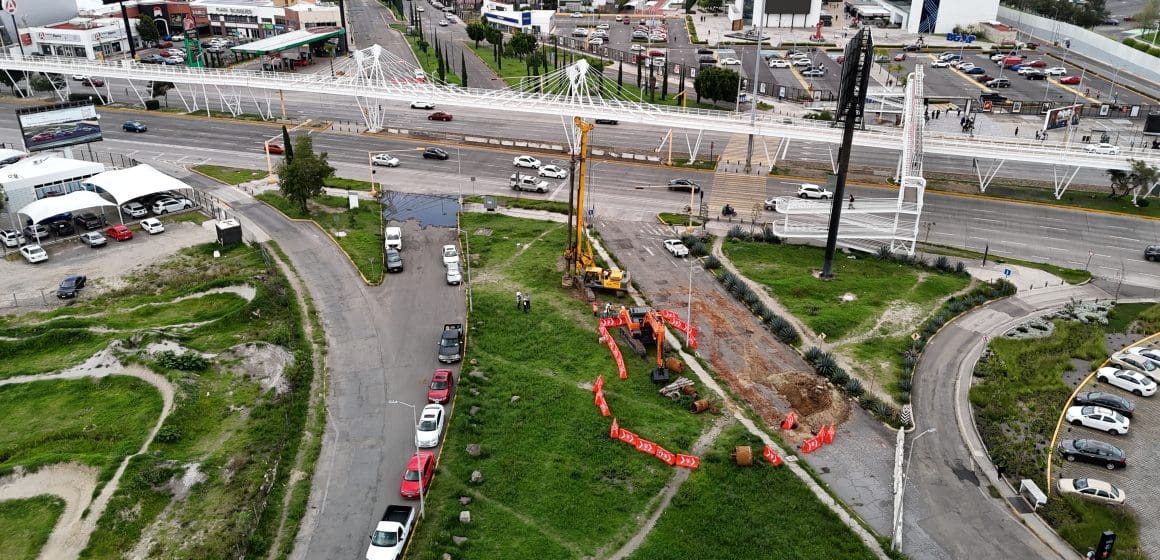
[650,253]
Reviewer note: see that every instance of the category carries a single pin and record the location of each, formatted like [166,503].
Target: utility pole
[753,96]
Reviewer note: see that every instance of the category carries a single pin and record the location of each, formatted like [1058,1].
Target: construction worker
[519,299]
[595,309]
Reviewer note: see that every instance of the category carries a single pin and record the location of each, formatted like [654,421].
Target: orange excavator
[644,327]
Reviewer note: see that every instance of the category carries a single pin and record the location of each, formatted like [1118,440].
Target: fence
[38,298]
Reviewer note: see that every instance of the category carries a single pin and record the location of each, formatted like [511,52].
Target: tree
[1119,182]
[535,61]
[11,78]
[522,44]
[147,30]
[477,32]
[41,81]
[288,146]
[711,4]
[1143,179]
[718,84]
[463,68]
[300,178]
[493,36]
[423,45]
[1149,17]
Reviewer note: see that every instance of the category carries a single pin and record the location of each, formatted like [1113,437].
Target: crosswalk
[732,185]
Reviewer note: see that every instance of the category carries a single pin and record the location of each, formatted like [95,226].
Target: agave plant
[738,232]
[904,397]
[787,334]
[813,354]
[854,388]
[710,262]
[840,378]
[905,384]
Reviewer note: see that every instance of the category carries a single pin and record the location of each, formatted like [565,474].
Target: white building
[92,38]
[508,19]
[774,13]
[926,16]
[35,177]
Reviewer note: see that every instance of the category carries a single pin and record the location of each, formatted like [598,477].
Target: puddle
[427,210]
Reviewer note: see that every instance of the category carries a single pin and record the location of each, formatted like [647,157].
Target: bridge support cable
[230,102]
[985,177]
[1062,180]
[695,147]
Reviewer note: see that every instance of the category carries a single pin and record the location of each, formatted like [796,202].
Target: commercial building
[924,16]
[773,13]
[33,13]
[40,176]
[259,19]
[507,18]
[80,37]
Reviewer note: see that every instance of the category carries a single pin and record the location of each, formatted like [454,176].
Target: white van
[394,237]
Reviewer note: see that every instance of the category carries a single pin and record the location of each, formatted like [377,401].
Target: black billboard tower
[851,103]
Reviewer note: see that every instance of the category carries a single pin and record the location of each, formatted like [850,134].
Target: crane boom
[579,251]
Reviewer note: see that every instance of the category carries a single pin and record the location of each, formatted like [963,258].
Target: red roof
[66,25]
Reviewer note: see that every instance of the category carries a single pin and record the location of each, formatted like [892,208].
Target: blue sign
[960,38]
[1007,272]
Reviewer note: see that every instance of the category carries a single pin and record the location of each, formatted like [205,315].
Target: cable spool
[700,406]
[742,455]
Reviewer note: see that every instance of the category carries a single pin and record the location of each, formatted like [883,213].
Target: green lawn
[1080,522]
[427,59]
[1069,275]
[95,422]
[349,184]
[230,175]
[726,507]
[363,239]
[789,273]
[674,218]
[1071,198]
[27,524]
[1142,318]
[525,203]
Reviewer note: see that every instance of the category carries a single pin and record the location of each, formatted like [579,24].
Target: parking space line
[1074,90]
[800,79]
[650,253]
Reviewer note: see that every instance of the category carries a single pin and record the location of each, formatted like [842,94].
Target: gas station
[318,41]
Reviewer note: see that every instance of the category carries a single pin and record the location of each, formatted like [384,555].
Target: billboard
[787,6]
[1061,117]
[57,126]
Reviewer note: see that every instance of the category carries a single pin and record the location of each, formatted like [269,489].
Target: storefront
[81,38]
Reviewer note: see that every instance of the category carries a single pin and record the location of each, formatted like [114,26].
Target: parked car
[999,83]
[984,78]
[1036,64]
[93,82]
[134,126]
[900,57]
[1102,148]
[676,248]
[435,153]
[450,255]
[1055,71]
[526,161]
[1110,401]
[607,121]
[730,61]
[167,205]
[773,63]
[119,232]
[1092,489]
[553,171]
[992,97]
[89,221]
[384,160]
[1130,381]
[70,287]
[93,239]
[802,62]
[1093,451]
[975,70]
[1145,353]
[417,476]
[683,184]
[152,226]
[394,260]
[813,191]
[135,209]
[596,41]
[454,277]
[11,239]
[912,47]
[430,428]
[152,59]
[451,343]
[1070,80]
[62,228]
[439,116]
[423,105]
[1035,75]
[36,232]
[439,390]
[1136,363]
[939,64]
[33,253]
[964,66]
[814,72]
[1098,418]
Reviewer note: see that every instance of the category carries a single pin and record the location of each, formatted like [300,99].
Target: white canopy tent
[134,182]
[48,207]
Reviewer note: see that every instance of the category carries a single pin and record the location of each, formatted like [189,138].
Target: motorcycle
[728,211]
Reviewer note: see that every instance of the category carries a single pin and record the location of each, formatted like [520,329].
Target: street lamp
[422,488]
[896,543]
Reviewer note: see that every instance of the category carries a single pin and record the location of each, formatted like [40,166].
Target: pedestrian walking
[519,299]
[1016,131]
[607,309]
[527,303]
[960,112]
[962,122]
[1037,135]
[851,202]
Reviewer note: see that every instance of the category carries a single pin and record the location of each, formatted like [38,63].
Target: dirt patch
[74,484]
[263,363]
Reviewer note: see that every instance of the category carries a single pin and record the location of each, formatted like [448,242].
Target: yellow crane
[579,251]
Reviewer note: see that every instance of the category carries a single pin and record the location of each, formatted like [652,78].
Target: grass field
[1080,522]
[27,524]
[525,203]
[230,175]
[719,505]
[1069,275]
[363,239]
[789,273]
[1142,318]
[1071,198]
[427,60]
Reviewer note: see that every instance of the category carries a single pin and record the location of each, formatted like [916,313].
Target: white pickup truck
[677,248]
[521,182]
[390,537]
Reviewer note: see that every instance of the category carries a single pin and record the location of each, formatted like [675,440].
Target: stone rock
[458,540]
[477,374]
[465,517]
[474,391]
[515,398]
[464,500]
[473,449]
[476,476]
[473,410]
[446,556]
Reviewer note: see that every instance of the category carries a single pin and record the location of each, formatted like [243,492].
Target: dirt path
[71,482]
[244,291]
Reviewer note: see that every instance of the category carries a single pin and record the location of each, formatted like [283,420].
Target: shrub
[768,316]
[854,388]
[813,354]
[787,334]
[186,361]
[905,384]
[942,263]
[840,378]
[737,232]
[884,253]
[768,236]
[697,249]
[751,298]
[829,370]
[960,267]
[713,263]
[904,397]
[884,411]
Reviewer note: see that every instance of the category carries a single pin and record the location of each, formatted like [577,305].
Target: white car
[966,66]
[636,47]
[33,253]
[730,61]
[998,57]
[1098,418]
[1135,362]
[135,210]
[1130,381]
[1024,70]
[430,427]
[939,64]
[778,63]
[450,255]
[579,32]
[420,9]
[596,41]
[526,161]
[93,239]
[802,62]
[813,191]
[1092,489]
[1150,354]
[603,26]
[167,205]
[553,171]
[1102,148]
[79,77]
[576,15]
[442,23]
[11,239]
[384,160]
[423,105]
[152,225]
[454,278]
[676,248]
[1056,71]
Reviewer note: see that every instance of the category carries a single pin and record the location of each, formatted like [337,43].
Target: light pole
[689,313]
[422,489]
[896,544]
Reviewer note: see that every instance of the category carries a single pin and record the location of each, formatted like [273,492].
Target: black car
[90,221]
[70,286]
[61,229]
[1106,400]
[153,59]
[992,97]
[683,185]
[435,153]
[704,51]
[394,261]
[912,47]
[1152,253]
[134,126]
[1093,451]
[607,121]
[1035,75]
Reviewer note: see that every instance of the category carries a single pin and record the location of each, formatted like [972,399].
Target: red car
[983,78]
[900,57]
[440,388]
[1070,80]
[275,149]
[439,116]
[418,475]
[120,233]
[92,82]
[1036,64]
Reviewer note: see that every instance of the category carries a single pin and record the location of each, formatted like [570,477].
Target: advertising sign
[57,126]
[1060,117]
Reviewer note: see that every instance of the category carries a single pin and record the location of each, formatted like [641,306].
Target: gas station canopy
[290,40]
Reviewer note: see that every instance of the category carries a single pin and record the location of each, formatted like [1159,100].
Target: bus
[826,19]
